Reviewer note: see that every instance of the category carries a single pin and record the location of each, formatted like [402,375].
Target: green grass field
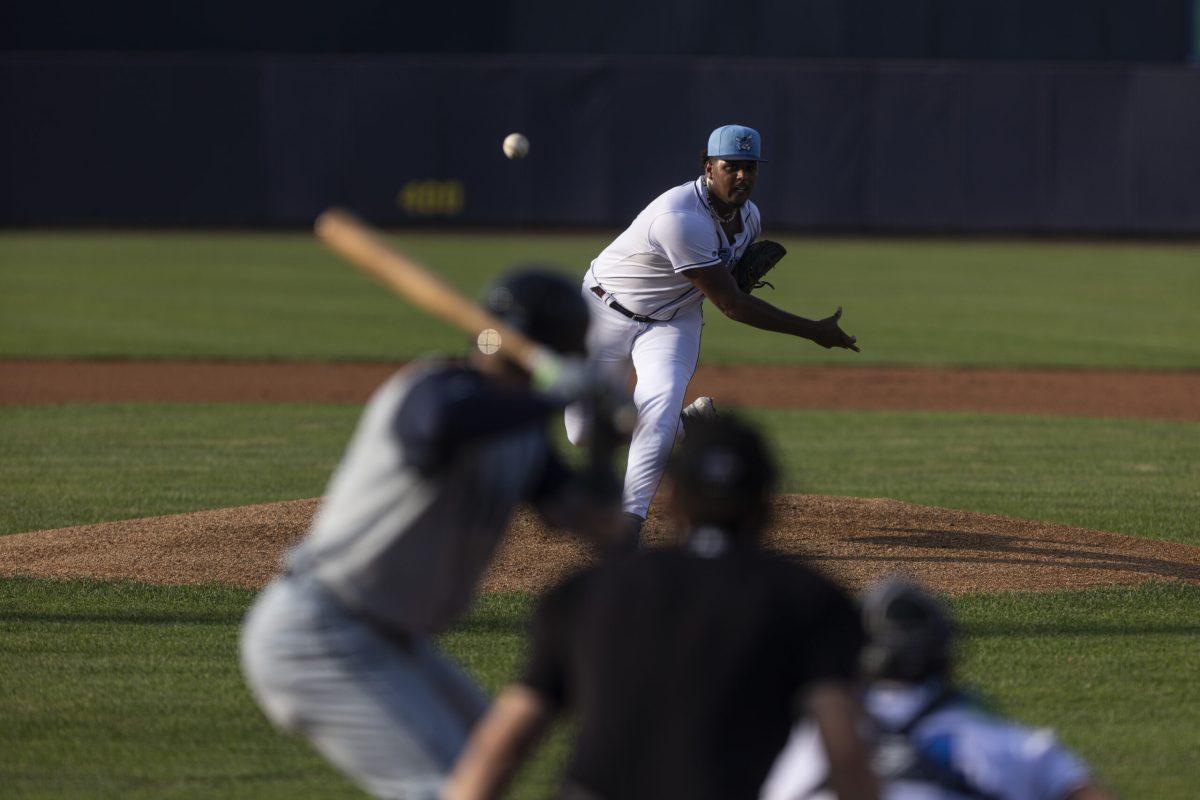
[62,465]
[119,690]
[280,296]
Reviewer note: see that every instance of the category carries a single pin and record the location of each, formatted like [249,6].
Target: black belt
[620,309]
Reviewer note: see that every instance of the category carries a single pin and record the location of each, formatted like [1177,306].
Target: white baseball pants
[664,355]
[392,716]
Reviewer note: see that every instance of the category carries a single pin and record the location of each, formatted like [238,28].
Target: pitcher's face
[731,182]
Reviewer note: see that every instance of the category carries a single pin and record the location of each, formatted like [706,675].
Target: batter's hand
[566,379]
[828,334]
[572,378]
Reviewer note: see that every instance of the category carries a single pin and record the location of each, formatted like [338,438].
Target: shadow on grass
[120,618]
[995,548]
[1067,629]
[517,626]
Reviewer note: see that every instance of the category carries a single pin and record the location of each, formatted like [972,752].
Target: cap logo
[744,143]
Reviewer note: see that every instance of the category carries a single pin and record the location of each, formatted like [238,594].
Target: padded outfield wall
[853,146]
[1074,30]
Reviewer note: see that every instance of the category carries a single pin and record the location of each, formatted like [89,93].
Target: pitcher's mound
[855,541]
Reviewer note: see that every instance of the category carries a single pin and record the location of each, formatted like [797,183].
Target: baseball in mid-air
[516,146]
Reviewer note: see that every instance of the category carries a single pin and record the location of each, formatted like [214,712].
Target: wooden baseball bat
[361,245]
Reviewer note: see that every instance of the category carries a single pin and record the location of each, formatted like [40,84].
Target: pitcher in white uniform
[645,292]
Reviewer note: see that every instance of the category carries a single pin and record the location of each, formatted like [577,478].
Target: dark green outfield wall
[853,146]
[1084,30]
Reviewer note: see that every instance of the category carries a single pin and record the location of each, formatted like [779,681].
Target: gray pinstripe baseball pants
[391,715]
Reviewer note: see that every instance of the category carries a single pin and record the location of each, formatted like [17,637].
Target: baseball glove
[756,262]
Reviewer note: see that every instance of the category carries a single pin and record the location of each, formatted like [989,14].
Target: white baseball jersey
[404,547]
[996,758]
[643,268]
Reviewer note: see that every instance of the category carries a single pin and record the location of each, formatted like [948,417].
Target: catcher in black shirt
[685,667]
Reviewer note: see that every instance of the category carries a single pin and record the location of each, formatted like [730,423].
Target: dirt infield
[1088,393]
[854,540]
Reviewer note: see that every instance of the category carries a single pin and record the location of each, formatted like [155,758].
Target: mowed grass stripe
[1128,476]
[118,689]
[72,465]
[282,297]
[1107,668]
[240,296]
[69,465]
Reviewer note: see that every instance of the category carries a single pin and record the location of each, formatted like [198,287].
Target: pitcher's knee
[662,415]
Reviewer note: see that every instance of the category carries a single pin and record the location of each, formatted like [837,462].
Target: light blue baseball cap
[735,143]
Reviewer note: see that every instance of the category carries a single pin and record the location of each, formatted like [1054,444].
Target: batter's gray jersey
[404,545]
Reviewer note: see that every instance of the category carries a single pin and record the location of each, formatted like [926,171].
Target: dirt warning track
[1085,393]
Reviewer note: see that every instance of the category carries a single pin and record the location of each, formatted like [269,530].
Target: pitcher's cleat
[702,408]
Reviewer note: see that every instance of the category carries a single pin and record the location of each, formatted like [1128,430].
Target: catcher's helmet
[910,633]
[543,305]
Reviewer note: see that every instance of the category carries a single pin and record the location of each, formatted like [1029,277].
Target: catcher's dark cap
[543,305]
[723,473]
[910,632]
[735,143]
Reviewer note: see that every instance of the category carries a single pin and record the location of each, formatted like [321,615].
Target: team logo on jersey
[723,254]
[744,143]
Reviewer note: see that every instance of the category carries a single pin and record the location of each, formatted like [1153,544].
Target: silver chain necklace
[724,220]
